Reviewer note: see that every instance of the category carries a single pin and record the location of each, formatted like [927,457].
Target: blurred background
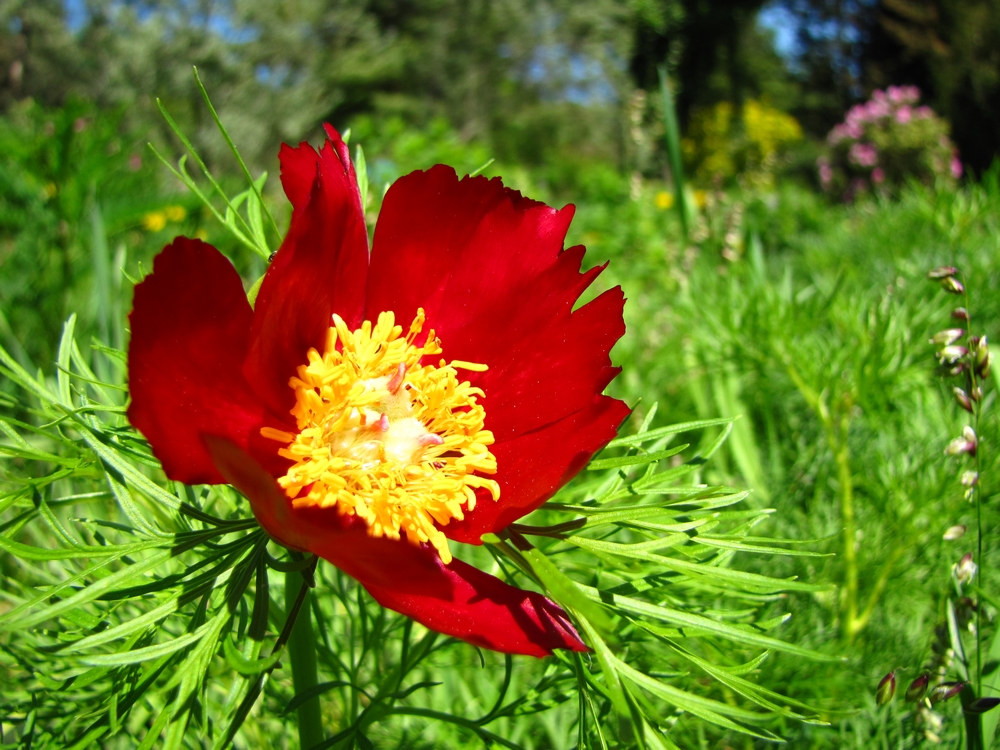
[771,215]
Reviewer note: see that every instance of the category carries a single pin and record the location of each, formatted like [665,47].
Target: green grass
[808,321]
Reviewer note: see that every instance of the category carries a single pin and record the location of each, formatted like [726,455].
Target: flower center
[384,437]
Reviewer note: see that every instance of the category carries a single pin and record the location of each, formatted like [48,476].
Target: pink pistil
[397,379]
[383,423]
[430,439]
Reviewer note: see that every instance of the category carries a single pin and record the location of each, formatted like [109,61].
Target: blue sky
[776,17]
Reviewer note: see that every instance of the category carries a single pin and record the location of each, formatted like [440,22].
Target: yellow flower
[769,128]
[50,190]
[154,221]
[175,213]
[664,200]
[700,198]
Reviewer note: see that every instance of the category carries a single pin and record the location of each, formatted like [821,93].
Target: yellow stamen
[471,366]
[383,437]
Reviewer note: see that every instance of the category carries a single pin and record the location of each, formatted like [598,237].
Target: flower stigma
[382,436]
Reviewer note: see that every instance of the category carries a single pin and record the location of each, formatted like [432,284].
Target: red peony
[373,406]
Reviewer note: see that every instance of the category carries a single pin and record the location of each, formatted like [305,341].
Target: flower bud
[886,689]
[969,478]
[984,360]
[945,690]
[980,346]
[963,399]
[955,532]
[941,272]
[952,285]
[960,313]
[960,446]
[965,569]
[947,336]
[965,444]
[982,705]
[952,353]
[976,394]
[918,688]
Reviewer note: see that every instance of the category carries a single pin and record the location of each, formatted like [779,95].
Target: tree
[951,50]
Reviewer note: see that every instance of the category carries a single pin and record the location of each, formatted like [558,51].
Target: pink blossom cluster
[825,171]
[863,154]
[884,141]
[901,94]
[896,102]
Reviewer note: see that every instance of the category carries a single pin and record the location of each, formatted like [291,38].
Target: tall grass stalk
[672,135]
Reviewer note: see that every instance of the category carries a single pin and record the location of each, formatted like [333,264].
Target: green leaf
[701,623]
[361,169]
[148,653]
[608,667]
[17,618]
[255,290]
[564,589]
[643,437]
[63,360]
[740,546]
[635,460]
[705,708]
[244,666]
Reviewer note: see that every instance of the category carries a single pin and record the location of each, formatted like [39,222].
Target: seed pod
[918,688]
[980,347]
[947,336]
[886,689]
[982,705]
[984,362]
[955,532]
[941,272]
[960,313]
[963,399]
[952,285]
[959,447]
[965,569]
[969,478]
[945,690]
[952,353]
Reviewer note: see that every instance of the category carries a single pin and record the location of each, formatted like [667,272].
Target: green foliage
[813,325]
[139,606]
[160,613]
[67,176]
[806,321]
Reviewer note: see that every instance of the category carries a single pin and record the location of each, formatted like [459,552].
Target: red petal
[320,268]
[488,268]
[533,466]
[190,328]
[456,599]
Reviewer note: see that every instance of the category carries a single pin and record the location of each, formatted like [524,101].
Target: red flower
[357,432]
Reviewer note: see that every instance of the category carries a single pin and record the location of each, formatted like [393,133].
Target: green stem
[846,480]
[302,655]
[836,426]
[973,721]
[877,589]
[977,499]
